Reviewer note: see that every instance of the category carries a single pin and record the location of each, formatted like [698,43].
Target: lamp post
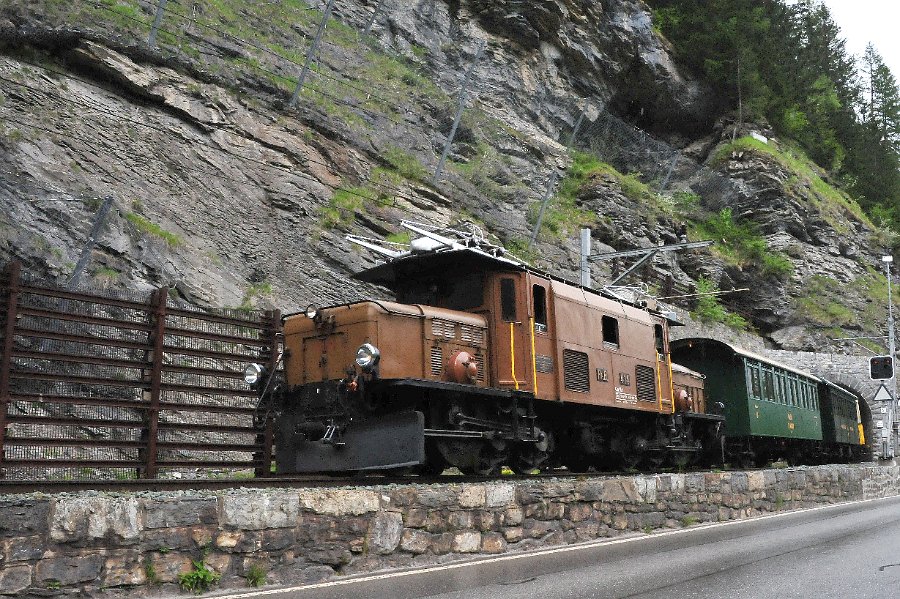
[888,448]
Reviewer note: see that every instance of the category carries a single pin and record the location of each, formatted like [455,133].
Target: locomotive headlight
[311,312]
[367,356]
[253,373]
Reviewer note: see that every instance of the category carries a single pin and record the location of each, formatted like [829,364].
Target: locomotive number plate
[543,363]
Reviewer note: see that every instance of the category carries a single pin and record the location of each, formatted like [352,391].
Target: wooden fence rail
[113,384]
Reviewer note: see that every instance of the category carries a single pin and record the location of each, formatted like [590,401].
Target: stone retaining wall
[139,543]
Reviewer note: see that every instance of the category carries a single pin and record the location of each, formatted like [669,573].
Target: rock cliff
[229,194]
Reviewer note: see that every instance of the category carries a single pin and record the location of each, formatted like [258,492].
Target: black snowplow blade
[391,441]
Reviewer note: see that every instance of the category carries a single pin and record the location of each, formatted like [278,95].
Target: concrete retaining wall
[140,543]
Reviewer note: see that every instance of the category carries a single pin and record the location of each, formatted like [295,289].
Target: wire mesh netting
[87,387]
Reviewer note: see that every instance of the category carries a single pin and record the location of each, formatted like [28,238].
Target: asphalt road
[844,551]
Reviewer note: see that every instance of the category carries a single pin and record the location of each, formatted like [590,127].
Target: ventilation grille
[646,383]
[472,334]
[575,371]
[437,361]
[479,359]
[443,328]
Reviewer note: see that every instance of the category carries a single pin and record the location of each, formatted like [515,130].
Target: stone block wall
[134,544]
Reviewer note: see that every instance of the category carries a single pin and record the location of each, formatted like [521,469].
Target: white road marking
[530,554]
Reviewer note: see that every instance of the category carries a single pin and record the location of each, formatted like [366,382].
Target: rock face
[233,199]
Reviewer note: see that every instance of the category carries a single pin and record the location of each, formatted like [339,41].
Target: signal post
[881,368]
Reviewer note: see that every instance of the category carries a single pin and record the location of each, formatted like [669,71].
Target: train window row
[844,407]
[767,383]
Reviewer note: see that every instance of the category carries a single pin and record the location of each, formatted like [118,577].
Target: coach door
[512,340]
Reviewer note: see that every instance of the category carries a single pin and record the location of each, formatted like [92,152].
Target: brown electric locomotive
[482,362]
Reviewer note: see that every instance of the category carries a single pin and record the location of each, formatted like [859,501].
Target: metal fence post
[665,182]
[372,18]
[99,221]
[311,54]
[265,438]
[9,330]
[157,21]
[463,96]
[156,340]
[552,185]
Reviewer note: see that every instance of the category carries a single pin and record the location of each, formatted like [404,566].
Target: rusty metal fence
[118,385]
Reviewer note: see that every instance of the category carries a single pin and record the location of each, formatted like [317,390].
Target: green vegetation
[403,237]
[104,273]
[150,572]
[379,191]
[256,575]
[253,292]
[822,302]
[830,304]
[709,309]
[688,520]
[807,183]
[406,165]
[200,578]
[145,226]
[740,244]
[563,213]
[787,63]
[343,206]
[519,248]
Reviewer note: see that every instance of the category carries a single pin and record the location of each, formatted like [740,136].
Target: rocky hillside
[227,192]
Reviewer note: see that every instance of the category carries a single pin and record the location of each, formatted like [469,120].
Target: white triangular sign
[882,394]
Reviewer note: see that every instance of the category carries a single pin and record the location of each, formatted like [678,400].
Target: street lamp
[888,448]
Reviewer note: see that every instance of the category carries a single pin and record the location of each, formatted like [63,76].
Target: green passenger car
[841,417]
[771,410]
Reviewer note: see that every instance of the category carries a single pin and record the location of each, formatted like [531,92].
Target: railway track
[290,482]
[296,482]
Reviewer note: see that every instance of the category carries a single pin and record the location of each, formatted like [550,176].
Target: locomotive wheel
[532,457]
[634,450]
[493,455]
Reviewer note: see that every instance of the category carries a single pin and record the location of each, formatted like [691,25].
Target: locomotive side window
[539,300]
[610,331]
[508,299]
[660,341]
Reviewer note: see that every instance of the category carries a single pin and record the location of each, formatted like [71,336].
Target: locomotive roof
[417,264]
[445,260]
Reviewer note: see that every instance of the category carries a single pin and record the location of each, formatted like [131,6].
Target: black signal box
[881,368]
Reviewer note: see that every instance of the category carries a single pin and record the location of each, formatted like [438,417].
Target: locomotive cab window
[461,292]
[660,339]
[539,300]
[610,331]
[508,299]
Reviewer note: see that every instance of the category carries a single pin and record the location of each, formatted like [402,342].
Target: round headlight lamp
[311,312]
[253,374]
[367,356]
